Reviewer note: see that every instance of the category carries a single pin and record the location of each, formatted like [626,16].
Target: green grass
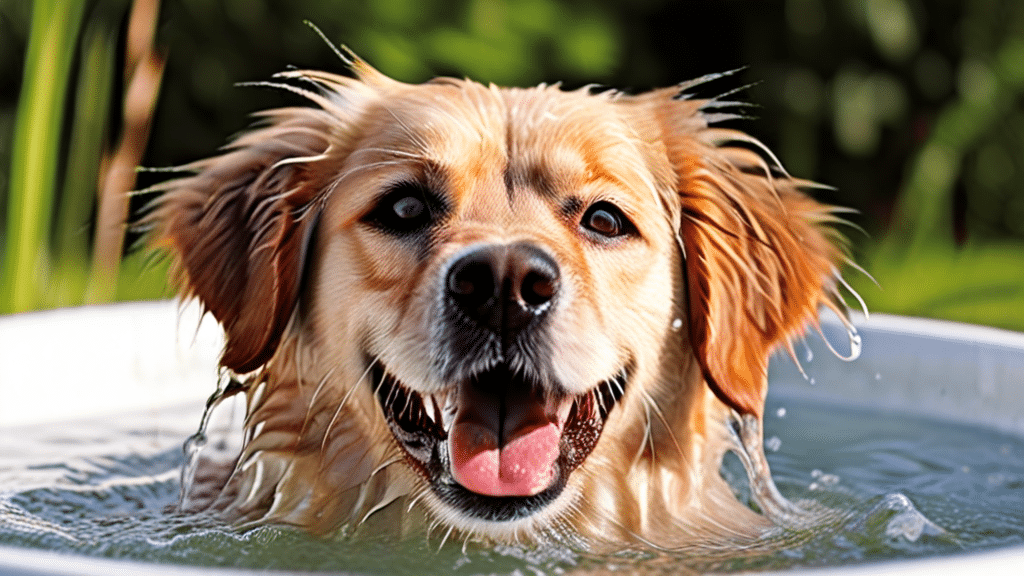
[35,155]
[976,284]
[918,269]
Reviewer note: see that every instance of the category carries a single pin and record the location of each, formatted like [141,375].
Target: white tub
[143,358]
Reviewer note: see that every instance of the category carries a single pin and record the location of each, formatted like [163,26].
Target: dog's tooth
[430,409]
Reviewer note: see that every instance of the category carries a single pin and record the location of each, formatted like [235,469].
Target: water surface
[897,486]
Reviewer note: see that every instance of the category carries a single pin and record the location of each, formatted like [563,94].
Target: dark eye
[605,219]
[402,209]
[408,208]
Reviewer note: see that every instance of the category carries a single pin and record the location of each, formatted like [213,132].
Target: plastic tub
[147,358]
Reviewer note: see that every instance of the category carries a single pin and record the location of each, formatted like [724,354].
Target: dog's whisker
[653,406]
[599,397]
[337,411]
[841,280]
[648,435]
[321,384]
[413,136]
[416,498]
[355,170]
[444,539]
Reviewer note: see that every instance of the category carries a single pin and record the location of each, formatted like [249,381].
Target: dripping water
[213,441]
[853,338]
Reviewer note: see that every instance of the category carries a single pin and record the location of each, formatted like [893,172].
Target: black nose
[504,287]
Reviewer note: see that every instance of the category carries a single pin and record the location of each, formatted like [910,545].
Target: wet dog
[513,314]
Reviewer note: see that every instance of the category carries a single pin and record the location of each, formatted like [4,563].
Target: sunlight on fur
[498,314]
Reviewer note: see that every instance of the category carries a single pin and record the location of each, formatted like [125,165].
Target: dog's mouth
[495,446]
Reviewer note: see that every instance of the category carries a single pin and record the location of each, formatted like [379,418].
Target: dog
[513,315]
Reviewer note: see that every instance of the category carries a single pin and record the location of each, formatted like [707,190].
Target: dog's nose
[504,287]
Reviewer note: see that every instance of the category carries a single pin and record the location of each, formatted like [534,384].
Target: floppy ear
[760,255]
[239,226]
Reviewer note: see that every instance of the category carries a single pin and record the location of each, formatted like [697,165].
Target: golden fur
[724,260]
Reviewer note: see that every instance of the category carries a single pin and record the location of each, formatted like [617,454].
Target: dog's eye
[402,209]
[605,219]
[408,207]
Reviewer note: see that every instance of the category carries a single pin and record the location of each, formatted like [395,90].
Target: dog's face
[504,274]
[533,292]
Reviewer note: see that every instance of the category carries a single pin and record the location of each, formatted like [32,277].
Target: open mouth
[495,446]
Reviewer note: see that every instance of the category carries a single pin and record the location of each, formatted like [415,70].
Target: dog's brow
[571,206]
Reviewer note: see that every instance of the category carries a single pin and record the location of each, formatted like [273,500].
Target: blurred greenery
[911,109]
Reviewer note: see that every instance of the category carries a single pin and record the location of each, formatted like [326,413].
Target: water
[898,487]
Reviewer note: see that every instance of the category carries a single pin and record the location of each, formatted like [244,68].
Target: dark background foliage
[912,110]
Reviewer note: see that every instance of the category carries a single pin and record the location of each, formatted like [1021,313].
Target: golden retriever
[513,315]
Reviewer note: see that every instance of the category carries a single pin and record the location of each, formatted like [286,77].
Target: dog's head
[530,288]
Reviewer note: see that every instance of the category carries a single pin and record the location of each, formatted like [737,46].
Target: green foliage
[36,148]
[912,110]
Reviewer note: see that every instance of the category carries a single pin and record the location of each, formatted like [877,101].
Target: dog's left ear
[760,255]
[241,223]
[239,227]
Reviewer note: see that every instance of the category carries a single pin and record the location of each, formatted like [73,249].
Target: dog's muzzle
[504,442]
[501,439]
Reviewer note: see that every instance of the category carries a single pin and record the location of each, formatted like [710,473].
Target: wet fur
[733,261]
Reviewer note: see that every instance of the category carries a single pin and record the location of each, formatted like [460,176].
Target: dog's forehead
[543,139]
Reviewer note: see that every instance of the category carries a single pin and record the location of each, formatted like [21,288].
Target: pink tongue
[524,466]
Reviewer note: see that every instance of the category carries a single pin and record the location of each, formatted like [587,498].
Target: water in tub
[901,487]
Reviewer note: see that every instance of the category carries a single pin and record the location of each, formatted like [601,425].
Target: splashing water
[908,522]
[866,486]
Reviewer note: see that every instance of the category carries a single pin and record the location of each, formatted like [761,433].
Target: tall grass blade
[51,46]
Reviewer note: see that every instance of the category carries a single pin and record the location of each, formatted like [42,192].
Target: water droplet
[878,376]
[781,412]
[908,522]
[677,323]
[808,353]
[773,444]
[855,343]
[823,479]
[812,381]
[852,334]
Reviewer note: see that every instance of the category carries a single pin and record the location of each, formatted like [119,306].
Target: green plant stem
[52,40]
[88,135]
